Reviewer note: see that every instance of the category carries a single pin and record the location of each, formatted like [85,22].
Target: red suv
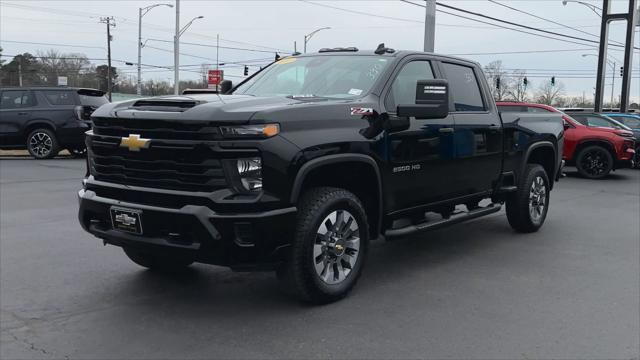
[593,151]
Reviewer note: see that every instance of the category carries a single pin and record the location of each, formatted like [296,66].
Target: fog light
[250,172]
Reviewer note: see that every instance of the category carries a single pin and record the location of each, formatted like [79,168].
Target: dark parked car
[45,120]
[301,165]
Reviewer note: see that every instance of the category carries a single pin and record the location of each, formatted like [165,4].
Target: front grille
[156,129]
[181,156]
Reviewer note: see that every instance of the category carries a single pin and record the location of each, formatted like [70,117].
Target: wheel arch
[543,153]
[596,142]
[328,171]
[38,123]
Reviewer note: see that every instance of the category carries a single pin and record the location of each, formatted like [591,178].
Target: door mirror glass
[432,101]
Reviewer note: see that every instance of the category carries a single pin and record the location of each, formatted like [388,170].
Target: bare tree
[549,94]
[499,80]
[518,89]
[71,65]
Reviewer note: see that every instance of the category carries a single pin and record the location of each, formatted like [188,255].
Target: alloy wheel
[537,199]
[41,144]
[337,247]
[595,162]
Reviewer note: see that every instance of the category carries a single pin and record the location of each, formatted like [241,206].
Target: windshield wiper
[306,96]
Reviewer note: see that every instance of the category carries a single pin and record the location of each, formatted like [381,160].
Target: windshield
[329,76]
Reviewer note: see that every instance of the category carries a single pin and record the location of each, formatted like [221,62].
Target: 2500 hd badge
[258,178]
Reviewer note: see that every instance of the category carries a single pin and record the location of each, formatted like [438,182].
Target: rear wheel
[527,208]
[594,162]
[329,248]
[155,261]
[42,144]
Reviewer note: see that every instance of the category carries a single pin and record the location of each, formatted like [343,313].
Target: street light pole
[613,73]
[176,52]
[142,12]
[592,7]
[309,35]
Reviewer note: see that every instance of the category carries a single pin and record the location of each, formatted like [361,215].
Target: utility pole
[111,22]
[139,82]
[20,71]
[613,81]
[176,52]
[217,50]
[430,26]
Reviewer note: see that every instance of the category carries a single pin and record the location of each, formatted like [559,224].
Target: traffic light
[525,82]
[246,70]
[553,81]
[498,83]
[621,70]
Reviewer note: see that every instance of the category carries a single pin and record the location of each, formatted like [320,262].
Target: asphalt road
[476,290]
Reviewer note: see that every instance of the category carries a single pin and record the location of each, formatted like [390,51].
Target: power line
[516,24]
[53,44]
[520,52]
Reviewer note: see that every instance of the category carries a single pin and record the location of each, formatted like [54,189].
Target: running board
[454,219]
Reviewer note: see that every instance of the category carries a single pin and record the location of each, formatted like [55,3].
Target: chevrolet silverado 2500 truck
[299,167]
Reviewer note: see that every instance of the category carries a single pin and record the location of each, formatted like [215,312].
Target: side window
[533,109]
[16,99]
[599,122]
[403,88]
[59,97]
[463,85]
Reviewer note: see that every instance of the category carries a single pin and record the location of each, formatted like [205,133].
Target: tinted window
[464,87]
[633,123]
[59,97]
[594,121]
[16,99]
[403,89]
[512,108]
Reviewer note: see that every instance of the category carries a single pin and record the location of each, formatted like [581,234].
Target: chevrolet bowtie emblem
[339,247]
[134,142]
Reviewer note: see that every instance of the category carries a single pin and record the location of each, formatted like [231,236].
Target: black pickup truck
[299,167]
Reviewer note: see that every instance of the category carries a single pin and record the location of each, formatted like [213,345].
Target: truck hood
[237,109]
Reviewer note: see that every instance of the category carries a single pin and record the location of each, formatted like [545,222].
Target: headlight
[250,131]
[250,173]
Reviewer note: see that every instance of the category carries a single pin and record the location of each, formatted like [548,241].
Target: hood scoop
[169,105]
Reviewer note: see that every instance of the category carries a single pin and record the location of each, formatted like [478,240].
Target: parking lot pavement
[476,290]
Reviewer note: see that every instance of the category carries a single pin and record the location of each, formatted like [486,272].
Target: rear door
[420,156]
[15,111]
[478,131]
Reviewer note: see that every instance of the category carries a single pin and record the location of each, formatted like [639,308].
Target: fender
[47,122]
[537,145]
[306,168]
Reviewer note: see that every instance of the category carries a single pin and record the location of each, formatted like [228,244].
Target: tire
[77,153]
[527,207]
[594,162]
[157,262]
[42,144]
[329,248]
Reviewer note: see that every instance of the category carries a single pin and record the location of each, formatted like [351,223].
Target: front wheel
[527,207]
[594,162]
[329,246]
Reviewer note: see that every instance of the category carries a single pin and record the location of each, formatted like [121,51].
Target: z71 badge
[361,111]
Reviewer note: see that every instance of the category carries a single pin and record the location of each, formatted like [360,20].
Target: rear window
[59,97]
[92,100]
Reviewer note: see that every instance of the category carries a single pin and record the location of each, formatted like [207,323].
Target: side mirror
[432,101]
[225,86]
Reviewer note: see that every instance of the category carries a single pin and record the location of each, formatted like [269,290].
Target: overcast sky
[73,26]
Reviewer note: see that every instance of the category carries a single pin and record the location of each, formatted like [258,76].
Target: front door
[419,157]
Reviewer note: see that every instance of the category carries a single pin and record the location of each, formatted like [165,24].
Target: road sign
[215,78]
[62,81]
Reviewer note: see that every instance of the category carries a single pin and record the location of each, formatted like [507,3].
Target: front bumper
[242,241]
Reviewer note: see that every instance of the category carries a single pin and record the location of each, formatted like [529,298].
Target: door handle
[446,130]
[23,113]
[494,127]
